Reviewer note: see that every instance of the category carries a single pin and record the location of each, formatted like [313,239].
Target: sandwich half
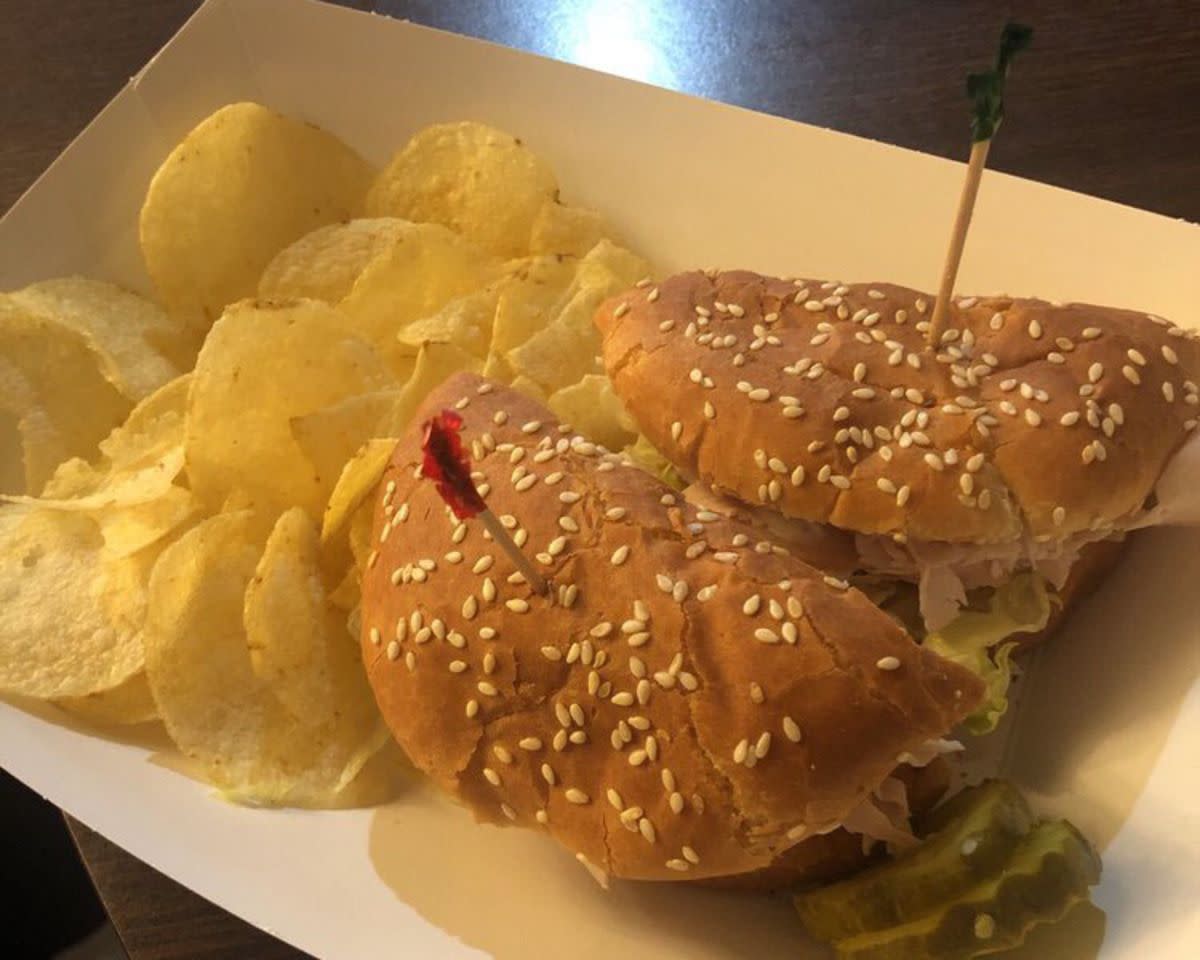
[682,705]
[969,486]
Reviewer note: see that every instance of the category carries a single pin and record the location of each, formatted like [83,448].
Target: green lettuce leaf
[976,640]
[644,454]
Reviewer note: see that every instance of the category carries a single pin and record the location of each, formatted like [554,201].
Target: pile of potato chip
[186,483]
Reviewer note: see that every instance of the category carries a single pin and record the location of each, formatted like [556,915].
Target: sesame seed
[517,605]
[763,746]
[680,865]
[766,635]
[1059,515]
[577,796]
[1035,329]
[752,605]
[621,310]
[1131,374]
[1170,355]
[791,730]
[1091,333]
[1070,418]
[902,495]
[888,663]
[741,751]
[934,461]
[472,708]
[619,556]
[1095,372]
[1136,356]
[1032,417]
[842,483]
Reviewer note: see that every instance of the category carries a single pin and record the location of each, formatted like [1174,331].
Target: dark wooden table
[1108,103]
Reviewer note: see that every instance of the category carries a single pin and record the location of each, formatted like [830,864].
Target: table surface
[1107,103]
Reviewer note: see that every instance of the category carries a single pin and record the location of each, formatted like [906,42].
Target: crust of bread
[638,714]
[837,855]
[824,401]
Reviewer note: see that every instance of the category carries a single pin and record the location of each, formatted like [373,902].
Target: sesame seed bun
[671,711]
[823,401]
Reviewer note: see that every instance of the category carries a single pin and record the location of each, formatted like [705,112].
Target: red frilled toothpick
[445,463]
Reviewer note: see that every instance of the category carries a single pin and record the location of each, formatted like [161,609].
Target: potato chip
[435,363]
[142,458]
[106,489]
[565,350]
[70,619]
[563,229]
[127,703]
[526,386]
[362,542]
[465,322]
[241,186]
[354,486]
[529,298]
[496,368]
[12,453]
[134,340]
[477,180]
[422,272]
[42,448]
[262,365]
[592,408]
[331,436]
[152,428]
[50,379]
[216,708]
[131,529]
[288,623]
[324,264]
[348,593]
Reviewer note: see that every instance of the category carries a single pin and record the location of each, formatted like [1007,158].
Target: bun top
[824,401]
[681,706]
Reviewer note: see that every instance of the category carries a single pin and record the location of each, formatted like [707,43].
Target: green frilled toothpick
[986,91]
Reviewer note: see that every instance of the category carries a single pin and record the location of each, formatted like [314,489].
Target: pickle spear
[970,838]
[1049,872]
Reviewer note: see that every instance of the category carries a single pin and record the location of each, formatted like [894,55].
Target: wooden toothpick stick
[522,563]
[445,463]
[986,91]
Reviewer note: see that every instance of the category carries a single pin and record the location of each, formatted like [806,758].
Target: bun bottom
[837,855]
